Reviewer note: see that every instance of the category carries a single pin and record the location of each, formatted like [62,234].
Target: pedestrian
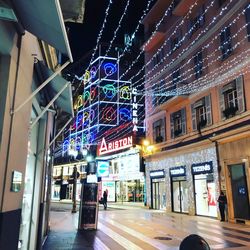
[222,200]
[105,199]
[194,242]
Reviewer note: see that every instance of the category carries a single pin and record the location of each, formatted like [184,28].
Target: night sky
[83,37]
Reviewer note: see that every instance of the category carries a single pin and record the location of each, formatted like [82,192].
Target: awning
[65,100]
[44,19]
[73,10]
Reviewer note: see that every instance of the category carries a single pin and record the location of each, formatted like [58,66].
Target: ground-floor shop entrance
[179,195]
[239,191]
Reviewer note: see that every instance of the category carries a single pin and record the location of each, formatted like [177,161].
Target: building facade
[197,106]
[29,62]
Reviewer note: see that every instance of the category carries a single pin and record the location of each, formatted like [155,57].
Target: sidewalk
[64,234]
[132,226]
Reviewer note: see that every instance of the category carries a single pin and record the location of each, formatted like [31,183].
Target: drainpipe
[218,163]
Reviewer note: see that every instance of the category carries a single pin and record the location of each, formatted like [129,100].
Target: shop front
[179,189]
[184,182]
[124,182]
[62,182]
[204,189]
[235,178]
[158,189]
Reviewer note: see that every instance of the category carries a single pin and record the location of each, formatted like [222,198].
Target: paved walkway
[123,226]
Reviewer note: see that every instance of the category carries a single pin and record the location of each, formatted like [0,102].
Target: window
[197,22]
[175,42]
[158,57]
[232,98]
[159,131]
[178,123]
[226,43]
[198,65]
[247,15]
[201,113]
[221,2]
[176,77]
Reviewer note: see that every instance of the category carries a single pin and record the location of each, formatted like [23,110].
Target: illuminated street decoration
[85,118]
[125,93]
[87,77]
[110,68]
[65,146]
[116,145]
[79,101]
[135,110]
[92,93]
[125,114]
[86,97]
[78,123]
[109,90]
[106,102]
[109,114]
[93,72]
[78,143]
[91,115]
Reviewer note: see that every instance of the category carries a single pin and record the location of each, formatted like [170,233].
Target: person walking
[105,199]
[222,200]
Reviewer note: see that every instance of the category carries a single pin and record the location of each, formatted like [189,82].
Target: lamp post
[74,190]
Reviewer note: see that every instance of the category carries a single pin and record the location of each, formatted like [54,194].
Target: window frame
[226,43]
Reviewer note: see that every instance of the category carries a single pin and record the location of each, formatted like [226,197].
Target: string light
[101,31]
[237,62]
[202,15]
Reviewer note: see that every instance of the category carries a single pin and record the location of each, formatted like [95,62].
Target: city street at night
[124,124]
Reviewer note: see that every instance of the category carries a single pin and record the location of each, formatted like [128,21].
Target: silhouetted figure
[194,242]
[222,200]
[105,198]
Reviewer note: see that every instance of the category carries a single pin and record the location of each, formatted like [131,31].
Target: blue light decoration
[78,143]
[125,114]
[110,69]
[65,146]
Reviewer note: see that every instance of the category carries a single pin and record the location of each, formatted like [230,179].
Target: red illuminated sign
[116,145]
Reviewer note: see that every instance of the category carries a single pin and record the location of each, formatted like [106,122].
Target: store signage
[177,171]
[157,173]
[102,168]
[135,110]
[116,145]
[202,168]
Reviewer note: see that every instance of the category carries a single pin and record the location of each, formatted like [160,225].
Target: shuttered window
[201,113]
[159,131]
[178,123]
[232,99]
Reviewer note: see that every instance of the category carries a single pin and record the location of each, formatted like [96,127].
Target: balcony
[152,37]
[230,111]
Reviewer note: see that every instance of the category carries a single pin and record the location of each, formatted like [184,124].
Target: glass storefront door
[158,195]
[180,196]
[239,191]
[205,195]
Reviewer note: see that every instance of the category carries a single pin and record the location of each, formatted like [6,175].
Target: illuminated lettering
[135,110]
[116,145]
